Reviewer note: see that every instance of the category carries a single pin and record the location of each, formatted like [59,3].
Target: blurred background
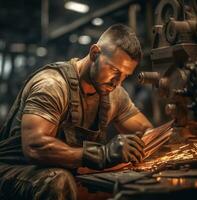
[36,32]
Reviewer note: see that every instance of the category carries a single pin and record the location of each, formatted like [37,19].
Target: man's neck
[83,67]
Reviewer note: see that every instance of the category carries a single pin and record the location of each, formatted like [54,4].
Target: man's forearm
[51,151]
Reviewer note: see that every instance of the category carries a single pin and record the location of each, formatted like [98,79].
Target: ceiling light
[97,21]
[41,51]
[19,62]
[3,110]
[77,7]
[73,38]
[7,67]
[84,39]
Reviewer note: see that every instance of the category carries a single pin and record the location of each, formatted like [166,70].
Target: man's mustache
[107,84]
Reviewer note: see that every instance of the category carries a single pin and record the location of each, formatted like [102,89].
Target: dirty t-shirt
[47,96]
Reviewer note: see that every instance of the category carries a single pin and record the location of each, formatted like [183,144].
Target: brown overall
[20,180]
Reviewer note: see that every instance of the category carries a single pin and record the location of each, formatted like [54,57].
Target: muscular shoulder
[49,77]
[46,94]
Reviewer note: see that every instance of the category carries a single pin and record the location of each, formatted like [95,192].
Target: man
[59,119]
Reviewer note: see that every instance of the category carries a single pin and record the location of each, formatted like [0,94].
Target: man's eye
[115,70]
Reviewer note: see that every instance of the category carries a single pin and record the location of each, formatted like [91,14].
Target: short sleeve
[47,97]
[125,107]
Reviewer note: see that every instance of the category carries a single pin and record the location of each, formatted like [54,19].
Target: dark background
[36,32]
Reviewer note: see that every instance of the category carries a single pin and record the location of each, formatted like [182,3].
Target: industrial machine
[174,60]
[172,172]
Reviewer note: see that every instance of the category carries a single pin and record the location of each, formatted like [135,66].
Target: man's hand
[122,148]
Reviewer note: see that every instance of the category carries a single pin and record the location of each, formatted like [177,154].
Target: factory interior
[34,33]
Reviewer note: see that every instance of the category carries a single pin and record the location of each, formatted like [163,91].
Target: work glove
[122,148]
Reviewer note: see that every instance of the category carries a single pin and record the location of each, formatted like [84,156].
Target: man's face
[107,72]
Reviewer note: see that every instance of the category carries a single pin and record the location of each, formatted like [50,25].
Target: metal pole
[44,19]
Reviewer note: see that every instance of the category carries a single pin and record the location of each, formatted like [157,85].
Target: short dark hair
[121,36]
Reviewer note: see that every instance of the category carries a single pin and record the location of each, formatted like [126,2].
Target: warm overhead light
[84,39]
[77,7]
[97,21]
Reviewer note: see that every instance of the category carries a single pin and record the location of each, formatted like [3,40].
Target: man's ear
[94,52]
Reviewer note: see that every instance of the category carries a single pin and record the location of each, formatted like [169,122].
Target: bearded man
[59,119]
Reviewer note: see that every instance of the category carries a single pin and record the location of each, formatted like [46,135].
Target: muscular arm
[135,123]
[41,147]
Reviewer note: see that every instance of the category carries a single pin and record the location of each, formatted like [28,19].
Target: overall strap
[104,112]
[70,75]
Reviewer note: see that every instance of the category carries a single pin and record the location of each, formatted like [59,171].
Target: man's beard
[97,86]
